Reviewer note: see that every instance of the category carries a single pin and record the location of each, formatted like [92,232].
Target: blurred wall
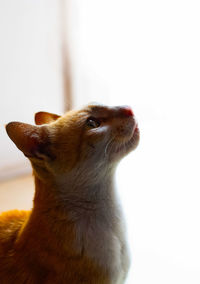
[30,70]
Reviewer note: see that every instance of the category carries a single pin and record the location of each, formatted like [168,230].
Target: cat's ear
[43,117]
[30,139]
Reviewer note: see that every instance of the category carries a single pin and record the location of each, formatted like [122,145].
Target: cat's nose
[126,111]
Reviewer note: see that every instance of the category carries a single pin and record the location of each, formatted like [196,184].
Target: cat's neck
[72,193]
[60,211]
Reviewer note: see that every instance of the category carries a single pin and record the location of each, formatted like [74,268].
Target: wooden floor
[17,193]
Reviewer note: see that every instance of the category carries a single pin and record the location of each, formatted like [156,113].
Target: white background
[145,54]
[30,69]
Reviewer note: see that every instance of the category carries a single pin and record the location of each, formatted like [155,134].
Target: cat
[75,232]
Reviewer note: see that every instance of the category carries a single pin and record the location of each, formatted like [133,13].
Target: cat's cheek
[91,145]
[124,130]
[100,131]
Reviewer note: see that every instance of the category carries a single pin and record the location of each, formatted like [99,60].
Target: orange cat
[75,232]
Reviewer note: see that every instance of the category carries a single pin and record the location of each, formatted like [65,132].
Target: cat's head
[95,137]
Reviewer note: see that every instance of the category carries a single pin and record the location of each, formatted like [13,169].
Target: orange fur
[49,244]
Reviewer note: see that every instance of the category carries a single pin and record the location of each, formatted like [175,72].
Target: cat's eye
[93,122]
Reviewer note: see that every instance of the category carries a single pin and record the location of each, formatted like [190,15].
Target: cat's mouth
[131,143]
[119,149]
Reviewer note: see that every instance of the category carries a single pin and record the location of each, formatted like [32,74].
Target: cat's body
[75,232]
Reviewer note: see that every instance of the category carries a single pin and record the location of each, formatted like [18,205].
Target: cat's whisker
[109,143]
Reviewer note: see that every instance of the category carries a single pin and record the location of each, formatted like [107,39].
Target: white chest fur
[103,240]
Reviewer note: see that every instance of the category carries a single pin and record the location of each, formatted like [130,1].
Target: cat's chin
[121,149]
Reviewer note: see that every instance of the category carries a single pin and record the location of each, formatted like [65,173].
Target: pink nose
[127,111]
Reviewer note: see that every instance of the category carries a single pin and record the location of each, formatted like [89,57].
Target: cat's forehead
[104,111]
[89,110]
[98,109]
[109,111]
